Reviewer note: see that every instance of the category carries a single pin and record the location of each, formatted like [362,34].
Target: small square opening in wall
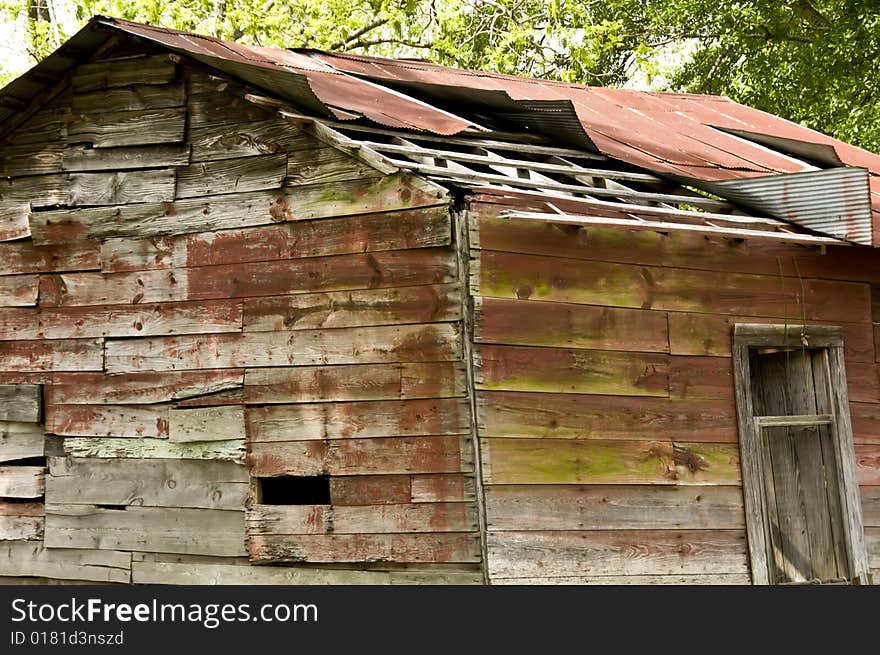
[294,490]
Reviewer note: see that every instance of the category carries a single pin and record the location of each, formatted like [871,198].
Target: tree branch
[368,44]
[369,27]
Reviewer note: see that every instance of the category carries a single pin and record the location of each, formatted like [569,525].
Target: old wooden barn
[276,316]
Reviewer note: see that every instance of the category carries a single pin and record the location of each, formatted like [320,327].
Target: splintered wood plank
[80,289]
[378,519]
[325,164]
[613,507]
[147,483]
[418,304]
[616,552]
[21,521]
[570,461]
[78,158]
[25,257]
[115,448]
[20,402]
[121,320]
[701,377]
[207,424]
[357,420]
[59,355]
[20,441]
[566,325]
[226,212]
[22,481]
[711,334]
[107,420]
[426,454]
[19,290]
[33,559]
[140,388]
[121,188]
[443,487]
[155,69]
[401,230]
[14,220]
[129,98]
[581,416]
[150,529]
[362,382]
[557,370]
[424,547]
[368,345]
[342,272]
[506,275]
[38,191]
[262,137]
[232,175]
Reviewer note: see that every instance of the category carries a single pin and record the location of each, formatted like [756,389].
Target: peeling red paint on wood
[139,388]
[107,420]
[25,257]
[358,382]
[59,355]
[425,454]
[120,320]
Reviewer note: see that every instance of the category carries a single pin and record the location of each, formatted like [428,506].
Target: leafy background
[812,61]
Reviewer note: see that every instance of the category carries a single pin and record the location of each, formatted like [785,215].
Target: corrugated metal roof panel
[835,201]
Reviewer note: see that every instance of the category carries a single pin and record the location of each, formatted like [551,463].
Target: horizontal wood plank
[20,402]
[357,420]
[425,547]
[21,521]
[418,304]
[129,98]
[139,388]
[115,448]
[58,355]
[571,461]
[14,222]
[868,464]
[506,275]
[242,139]
[366,345]
[218,423]
[121,188]
[565,325]
[127,128]
[25,257]
[360,382]
[213,316]
[147,483]
[613,507]
[22,481]
[557,370]
[19,290]
[152,69]
[582,416]
[150,529]
[426,454]
[401,230]
[617,552]
[236,175]
[20,441]
[108,420]
[378,519]
[32,558]
[79,158]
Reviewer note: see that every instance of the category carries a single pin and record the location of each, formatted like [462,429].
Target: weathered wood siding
[605,401]
[205,293]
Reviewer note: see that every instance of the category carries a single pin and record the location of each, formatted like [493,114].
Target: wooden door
[805,520]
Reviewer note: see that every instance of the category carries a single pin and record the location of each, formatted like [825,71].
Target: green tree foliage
[813,61]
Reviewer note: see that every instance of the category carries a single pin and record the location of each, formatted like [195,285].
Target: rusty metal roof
[702,141]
